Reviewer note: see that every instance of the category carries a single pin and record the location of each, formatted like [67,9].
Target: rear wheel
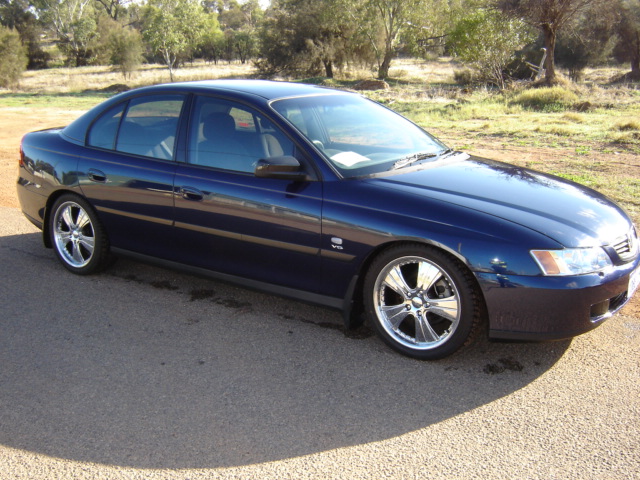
[422,303]
[77,236]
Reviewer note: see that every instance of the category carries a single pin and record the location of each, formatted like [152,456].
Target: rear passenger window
[103,132]
[150,126]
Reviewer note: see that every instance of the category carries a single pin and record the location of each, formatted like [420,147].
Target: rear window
[143,126]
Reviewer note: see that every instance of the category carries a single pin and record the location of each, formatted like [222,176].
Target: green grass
[549,99]
[67,101]
[490,115]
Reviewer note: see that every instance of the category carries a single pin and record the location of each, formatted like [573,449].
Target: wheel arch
[354,302]
[46,232]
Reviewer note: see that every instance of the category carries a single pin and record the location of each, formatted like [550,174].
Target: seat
[271,145]
[220,147]
[132,138]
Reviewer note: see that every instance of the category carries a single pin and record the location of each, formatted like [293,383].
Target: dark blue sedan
[326,197]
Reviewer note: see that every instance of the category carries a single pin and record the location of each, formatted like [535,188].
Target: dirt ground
[15,122]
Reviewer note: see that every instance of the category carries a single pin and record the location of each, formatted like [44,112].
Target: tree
[410,22]
[13,57]
[304,37]
[113,8]
[550,17]
[125,49]
[488,41]
[173,29]
[74,25]
[17,14]
[239,21]
[212,46]
[627,48]
[587,40]
[394,17]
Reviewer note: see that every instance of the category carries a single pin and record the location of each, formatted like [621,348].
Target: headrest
[218,125]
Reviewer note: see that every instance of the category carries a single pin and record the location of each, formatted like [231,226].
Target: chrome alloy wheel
[73,234]
[416,302]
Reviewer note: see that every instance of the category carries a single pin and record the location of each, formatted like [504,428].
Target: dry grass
[631,124]
[80,79]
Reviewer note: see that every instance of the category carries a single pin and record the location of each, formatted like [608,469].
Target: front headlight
[572,261]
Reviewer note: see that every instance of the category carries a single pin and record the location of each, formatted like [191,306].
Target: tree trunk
[328,68]
[635,59]
[383,71]
[550,63]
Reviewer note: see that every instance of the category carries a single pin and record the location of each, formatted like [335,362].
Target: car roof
[267,90]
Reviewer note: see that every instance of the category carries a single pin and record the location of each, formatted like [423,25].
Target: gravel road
[144,373]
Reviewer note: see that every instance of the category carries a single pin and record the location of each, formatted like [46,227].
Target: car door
[231,221]
[128,175]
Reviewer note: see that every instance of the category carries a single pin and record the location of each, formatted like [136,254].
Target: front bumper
[552,308]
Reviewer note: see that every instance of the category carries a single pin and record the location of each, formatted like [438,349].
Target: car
[324,196]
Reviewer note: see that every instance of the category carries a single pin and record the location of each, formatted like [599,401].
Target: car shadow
[149,368]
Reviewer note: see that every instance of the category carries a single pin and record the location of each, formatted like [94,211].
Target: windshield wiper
[411,159]
[446,153]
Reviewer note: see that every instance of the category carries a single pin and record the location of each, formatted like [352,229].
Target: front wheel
[77,236]
[422,303]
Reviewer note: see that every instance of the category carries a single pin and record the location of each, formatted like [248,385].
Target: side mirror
[284,168]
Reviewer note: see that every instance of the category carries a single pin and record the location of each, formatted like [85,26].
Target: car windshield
[358,136]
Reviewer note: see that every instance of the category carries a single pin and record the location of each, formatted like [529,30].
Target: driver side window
[232,137]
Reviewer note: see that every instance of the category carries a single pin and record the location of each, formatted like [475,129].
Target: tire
[77,236]
[423,303]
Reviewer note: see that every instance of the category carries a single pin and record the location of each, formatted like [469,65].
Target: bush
[548,99]
[13,57]
[466,77]
[125,47]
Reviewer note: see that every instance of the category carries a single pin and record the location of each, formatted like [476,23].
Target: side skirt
[308,297]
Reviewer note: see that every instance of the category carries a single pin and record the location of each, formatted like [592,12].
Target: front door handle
[96,176]
[190,193]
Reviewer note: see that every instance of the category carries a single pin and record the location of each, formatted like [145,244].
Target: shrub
[465,77]
[13,57]
[548,99]
[125,47]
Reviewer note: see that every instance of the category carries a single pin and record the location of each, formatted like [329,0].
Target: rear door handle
[96,176]
[190,193]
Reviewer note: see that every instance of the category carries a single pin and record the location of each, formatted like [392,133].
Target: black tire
[427,318]
[78,238]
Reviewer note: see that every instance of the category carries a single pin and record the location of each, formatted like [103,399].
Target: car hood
[569,213]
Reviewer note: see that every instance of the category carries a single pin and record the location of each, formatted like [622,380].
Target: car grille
[627,246]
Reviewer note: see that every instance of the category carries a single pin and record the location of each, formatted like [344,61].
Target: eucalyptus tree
[488,41]
[627,47]
[394,16]
[73,23]
[307,37]
[173,29]
[113,8]
[408,25]
[239,22]
[550,17]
